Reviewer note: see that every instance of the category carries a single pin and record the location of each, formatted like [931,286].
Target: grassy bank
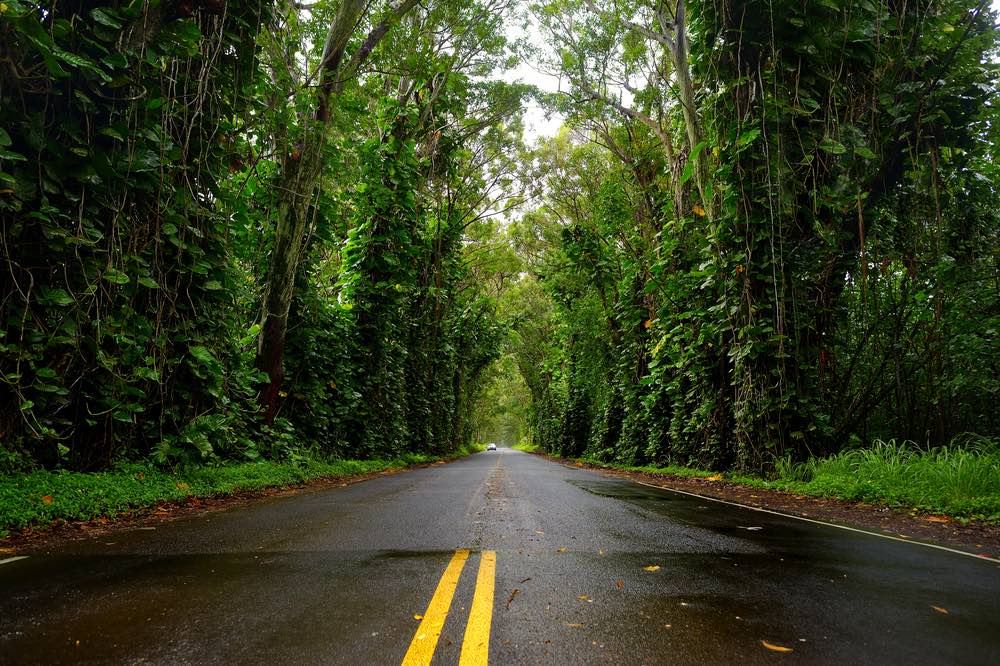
[41,498]
[962,481]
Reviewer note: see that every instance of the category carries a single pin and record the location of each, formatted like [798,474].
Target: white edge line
[13,559]
[820,522]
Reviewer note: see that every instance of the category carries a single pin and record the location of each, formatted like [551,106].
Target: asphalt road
[588,569]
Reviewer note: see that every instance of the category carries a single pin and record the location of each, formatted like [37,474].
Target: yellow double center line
[476,644]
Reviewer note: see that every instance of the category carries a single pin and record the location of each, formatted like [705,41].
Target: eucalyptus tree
[437,166]
[633,58]
[339,63]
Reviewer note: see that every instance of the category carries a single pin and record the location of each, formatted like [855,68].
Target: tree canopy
[243,230]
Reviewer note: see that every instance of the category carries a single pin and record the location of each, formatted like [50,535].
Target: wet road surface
[588,569]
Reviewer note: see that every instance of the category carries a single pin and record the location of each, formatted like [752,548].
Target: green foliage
[802,255]
[116,310]
[526,446]
[140,147]
[960,479]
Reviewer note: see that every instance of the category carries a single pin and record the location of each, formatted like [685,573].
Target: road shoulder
[968,536]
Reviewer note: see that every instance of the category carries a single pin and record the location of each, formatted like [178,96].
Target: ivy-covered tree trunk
[298,182]
[299,176]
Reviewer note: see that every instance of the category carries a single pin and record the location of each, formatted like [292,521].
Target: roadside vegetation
[960,479]
[235,240]
[775,256]
[526,446]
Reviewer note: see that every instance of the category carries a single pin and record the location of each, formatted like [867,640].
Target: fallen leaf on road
[619,583]
[47,499]
[667,626]
[560,550]
[512,595]
[937,519]
[940,610]
[652,567]
[573,625]
[417,617]
[776,648]
[540,532]
[600,552]
[714,477]
[583,597]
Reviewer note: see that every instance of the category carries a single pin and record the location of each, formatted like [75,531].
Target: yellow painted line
[476,644]
[425,640]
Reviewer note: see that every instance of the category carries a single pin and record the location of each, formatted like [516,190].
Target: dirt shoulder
[971,537]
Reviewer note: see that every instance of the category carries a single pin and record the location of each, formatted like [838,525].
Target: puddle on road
[782,536]
[620,490]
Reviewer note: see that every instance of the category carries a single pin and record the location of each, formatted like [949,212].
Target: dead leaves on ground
[775,648]
[651,567]
[943,611]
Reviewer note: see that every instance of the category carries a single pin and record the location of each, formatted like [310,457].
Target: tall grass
[961,479]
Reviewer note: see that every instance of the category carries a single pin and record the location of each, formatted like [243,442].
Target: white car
[491,447]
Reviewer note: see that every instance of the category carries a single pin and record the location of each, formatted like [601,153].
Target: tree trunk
[297,186]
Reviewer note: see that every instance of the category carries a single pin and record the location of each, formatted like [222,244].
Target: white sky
[535,123]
